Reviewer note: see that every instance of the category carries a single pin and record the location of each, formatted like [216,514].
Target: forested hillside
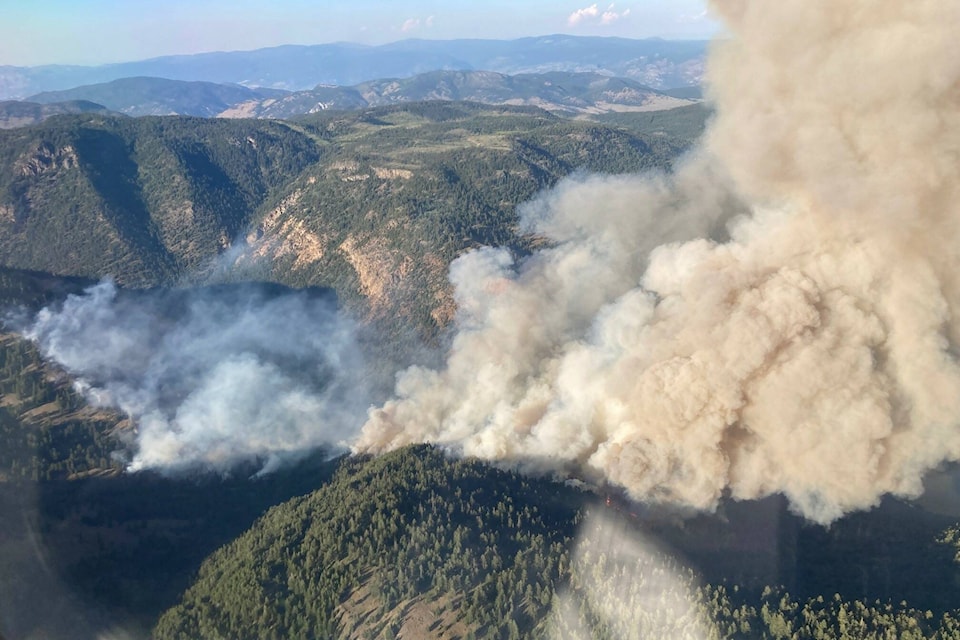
[418,545]
[403,190]
[47,429]
[362,551]
[683,125]
[144,200]
[375,203]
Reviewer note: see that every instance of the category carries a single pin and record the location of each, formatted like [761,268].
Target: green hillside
[47,429]
[375,203]
[144,200]
[417,545]
[400,191]
[479,547]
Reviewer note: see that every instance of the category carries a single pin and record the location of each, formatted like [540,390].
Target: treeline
[47,429]
[683,125]
[654,596]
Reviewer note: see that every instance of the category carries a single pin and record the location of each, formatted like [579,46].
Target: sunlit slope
[400,191]
[375,203]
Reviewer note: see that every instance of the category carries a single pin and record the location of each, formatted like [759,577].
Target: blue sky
[96,31]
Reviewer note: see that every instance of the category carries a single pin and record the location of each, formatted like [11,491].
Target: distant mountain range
[654,62]
[558,91]
[160,97]
[15,113]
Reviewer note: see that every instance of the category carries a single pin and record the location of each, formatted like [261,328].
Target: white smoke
[213,375]
[811,353]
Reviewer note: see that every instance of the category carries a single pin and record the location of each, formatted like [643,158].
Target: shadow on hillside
[97,556]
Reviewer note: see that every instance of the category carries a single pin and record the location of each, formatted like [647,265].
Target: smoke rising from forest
[811,349]
[776,315]
[214,375]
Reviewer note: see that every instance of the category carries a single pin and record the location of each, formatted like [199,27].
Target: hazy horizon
[98,32]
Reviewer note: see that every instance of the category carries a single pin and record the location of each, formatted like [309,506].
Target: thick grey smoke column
[812,353]
[216,374]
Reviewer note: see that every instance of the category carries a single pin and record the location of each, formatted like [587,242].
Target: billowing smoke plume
[214,375]
[811,352]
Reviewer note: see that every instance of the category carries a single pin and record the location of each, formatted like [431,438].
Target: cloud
[593,15]
[580,15]
[415,24]
[610,16]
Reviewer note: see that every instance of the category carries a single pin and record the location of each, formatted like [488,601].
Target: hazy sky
[98,31]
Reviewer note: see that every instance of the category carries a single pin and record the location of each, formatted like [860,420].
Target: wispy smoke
[811,352]
[214,375]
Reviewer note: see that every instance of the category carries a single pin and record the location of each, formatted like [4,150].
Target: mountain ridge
[375,202]
[148,96]
[566,93]
[16,113]
[655,62]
